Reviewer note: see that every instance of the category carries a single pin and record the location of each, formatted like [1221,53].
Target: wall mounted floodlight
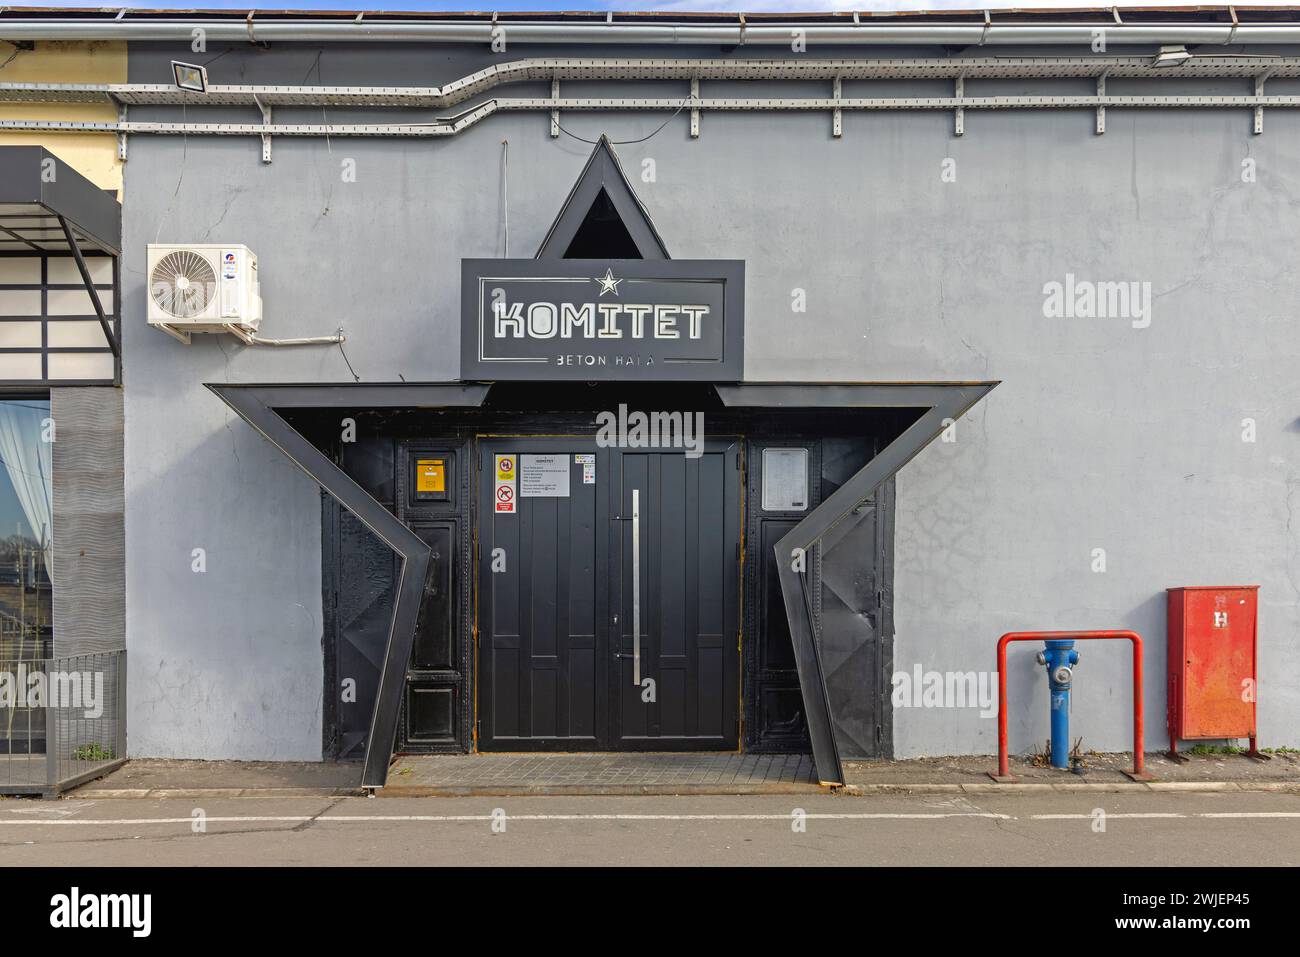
[1171,56]
[189,77]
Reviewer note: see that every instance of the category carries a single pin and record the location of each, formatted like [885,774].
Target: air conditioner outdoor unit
[203,288]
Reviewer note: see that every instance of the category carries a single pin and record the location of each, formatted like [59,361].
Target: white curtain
[26,457]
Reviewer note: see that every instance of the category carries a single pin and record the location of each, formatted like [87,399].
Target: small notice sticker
[588,463]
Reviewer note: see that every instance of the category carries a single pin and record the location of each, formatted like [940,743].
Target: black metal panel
[775,717]
[366,591]
[432,716]
[441,658]
[436,631]
[850,603]
[943,403]
[369,461]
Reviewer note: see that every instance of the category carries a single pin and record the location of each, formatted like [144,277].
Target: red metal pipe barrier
[1004,765]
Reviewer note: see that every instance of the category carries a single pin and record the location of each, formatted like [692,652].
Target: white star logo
[607,282]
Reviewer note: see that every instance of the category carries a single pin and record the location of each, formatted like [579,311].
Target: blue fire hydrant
[1060,658]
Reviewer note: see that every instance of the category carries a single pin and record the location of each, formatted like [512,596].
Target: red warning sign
[505,484]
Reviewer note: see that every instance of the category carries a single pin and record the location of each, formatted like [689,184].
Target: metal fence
[62,720]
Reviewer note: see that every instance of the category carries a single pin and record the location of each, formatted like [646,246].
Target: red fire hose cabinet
[1212,664]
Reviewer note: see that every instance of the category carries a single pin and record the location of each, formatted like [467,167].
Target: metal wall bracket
[959,114]
[1259,108]
[555,114]
[121,137]
[695,110]
[266,121]
[1101,109]
[837,117]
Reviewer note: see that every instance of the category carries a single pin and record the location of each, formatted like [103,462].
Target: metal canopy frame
[943,403]
[257,405]
[33,176]
[41,195]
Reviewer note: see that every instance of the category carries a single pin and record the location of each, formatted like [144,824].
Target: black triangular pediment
[601,234]
[602,218]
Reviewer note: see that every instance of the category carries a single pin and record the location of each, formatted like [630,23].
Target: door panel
[541,612]
[689,515]
[555,626]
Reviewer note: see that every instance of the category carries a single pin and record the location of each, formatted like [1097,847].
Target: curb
[1046,788]
[683,790]
[598,790]
[162,793]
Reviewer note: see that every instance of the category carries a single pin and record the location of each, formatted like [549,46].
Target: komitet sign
[594,319]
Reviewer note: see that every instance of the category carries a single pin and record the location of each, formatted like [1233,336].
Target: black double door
[608,605]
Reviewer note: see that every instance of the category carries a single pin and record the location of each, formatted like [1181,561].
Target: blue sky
[754,6]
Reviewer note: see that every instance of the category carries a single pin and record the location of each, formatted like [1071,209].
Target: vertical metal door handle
[636,587]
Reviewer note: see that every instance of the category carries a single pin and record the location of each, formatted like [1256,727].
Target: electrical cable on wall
[505,193]
[628,142]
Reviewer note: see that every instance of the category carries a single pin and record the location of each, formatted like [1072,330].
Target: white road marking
[1109,815]
[157,820]
[479,818]
[662,817]
[454,818]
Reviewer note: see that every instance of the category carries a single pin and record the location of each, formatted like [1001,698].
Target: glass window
[26,504]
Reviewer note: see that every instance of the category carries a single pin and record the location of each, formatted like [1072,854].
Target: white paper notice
[588,463]
[543,476]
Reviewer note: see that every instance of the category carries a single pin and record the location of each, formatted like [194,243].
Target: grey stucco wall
[1101,435]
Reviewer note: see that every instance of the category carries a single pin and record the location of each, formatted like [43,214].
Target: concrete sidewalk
[682,774]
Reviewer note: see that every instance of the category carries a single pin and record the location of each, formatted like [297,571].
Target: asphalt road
[1172,829]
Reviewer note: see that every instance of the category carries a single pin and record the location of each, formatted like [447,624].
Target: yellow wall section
[93,155]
